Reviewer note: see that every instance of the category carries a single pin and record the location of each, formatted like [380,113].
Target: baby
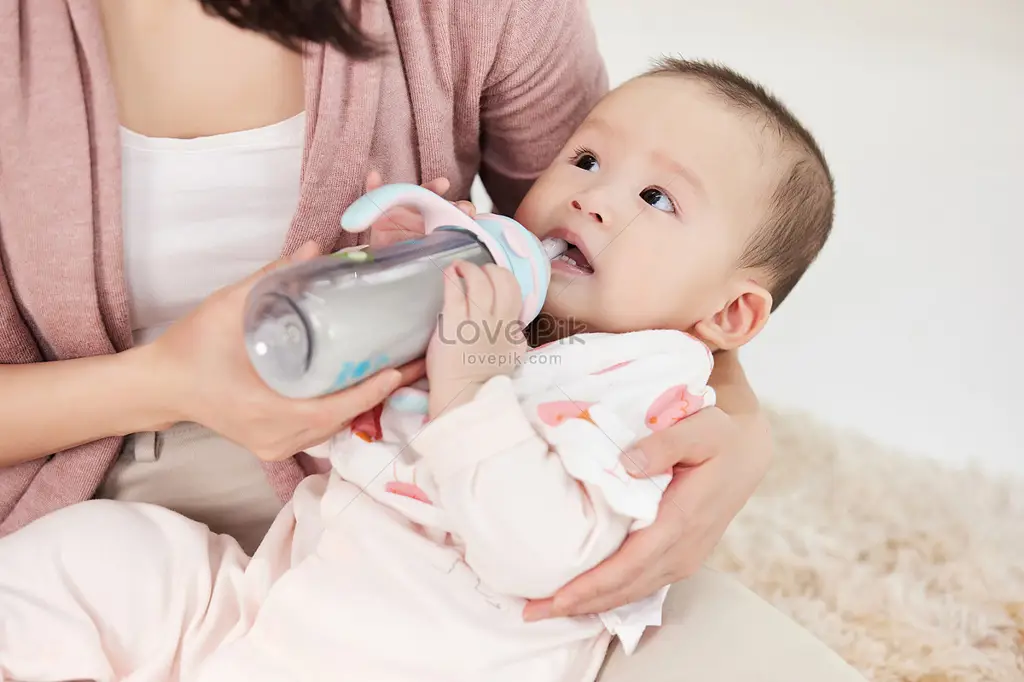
[693,202]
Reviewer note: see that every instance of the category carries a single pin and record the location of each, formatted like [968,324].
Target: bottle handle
[436,210]
[511,246]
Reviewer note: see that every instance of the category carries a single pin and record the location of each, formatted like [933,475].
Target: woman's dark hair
[294,22]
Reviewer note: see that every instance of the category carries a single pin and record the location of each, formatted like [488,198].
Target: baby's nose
[593,214]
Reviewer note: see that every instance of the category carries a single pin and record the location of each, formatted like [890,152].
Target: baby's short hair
[799,219]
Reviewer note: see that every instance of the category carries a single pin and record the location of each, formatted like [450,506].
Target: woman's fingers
[332,412]
[670,549]
[691,441]
[402,223]
[325,416]
[626,576]
[439,186]
[705,494]
[412,372]
[368,393]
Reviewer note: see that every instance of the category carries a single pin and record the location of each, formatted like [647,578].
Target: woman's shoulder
[484,44]
[475,25]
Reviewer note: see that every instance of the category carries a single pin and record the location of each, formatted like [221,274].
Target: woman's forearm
[734,396]
[47,407]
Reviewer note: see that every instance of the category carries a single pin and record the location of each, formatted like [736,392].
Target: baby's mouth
[574,259]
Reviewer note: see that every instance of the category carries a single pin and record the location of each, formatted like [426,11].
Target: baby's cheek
[537,203]
[629,307]
[634,299]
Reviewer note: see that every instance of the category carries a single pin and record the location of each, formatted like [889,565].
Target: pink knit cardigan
[494,86]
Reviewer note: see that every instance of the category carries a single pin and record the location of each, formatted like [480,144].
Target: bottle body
[318,327]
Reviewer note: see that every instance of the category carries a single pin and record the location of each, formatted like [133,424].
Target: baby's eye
[583,158]
[658,199]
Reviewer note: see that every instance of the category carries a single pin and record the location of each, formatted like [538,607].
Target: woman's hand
[210,380]
[718,460]
[478,336]
[400,223]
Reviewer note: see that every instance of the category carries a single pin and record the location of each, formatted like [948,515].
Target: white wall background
[908,326]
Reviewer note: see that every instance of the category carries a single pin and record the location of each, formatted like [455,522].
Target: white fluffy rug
[912,572]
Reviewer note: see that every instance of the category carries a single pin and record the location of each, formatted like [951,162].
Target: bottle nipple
[554,247]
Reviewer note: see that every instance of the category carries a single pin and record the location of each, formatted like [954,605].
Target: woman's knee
[716,629]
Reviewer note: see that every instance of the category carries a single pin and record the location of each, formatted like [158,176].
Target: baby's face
[658,191]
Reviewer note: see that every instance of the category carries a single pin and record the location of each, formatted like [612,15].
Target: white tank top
[203,213]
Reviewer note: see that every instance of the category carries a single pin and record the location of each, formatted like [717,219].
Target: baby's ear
[740,320]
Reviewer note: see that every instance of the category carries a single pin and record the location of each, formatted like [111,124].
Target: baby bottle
[317,327]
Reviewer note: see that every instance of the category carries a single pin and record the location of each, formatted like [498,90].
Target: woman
[154,154]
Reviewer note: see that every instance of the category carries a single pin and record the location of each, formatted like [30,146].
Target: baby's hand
[478,335]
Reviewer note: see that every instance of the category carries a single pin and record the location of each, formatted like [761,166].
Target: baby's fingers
[456,306]
[479,290]
[508,297]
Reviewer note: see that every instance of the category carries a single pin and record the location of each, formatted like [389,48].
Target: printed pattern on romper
[596,395]
[374,454]
[591,396]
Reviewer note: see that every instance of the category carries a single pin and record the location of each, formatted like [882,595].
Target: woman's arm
[735,395]
[197,371]
[52,406]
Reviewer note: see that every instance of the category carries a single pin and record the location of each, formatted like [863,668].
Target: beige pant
[714,628]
